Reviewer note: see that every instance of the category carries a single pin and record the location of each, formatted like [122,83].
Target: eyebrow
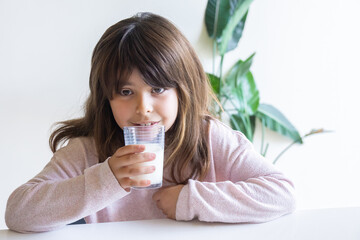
[121,84]
[125,84]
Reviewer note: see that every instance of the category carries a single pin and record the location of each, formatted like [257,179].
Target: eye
[158,90]
[125,92]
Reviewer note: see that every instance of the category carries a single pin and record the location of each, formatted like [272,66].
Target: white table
[327,224]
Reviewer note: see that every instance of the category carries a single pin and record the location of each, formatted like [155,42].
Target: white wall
[306,65]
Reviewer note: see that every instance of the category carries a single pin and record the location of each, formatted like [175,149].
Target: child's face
[137,103]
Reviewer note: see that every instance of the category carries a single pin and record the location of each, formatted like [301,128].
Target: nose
[144,104]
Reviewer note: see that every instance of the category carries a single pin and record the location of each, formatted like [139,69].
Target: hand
[125,164]
[166,199]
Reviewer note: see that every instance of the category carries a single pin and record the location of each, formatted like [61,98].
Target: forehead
[135,78]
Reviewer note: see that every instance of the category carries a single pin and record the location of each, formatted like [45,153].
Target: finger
[130,159]
[133,159]
[128,149]
[135,170]
[128,182]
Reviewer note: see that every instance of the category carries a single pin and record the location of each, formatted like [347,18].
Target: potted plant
[237,91]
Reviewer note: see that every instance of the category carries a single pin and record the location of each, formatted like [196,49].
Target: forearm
[43,205]
[255,200]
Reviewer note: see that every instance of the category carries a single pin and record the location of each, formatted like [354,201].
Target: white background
[306,65]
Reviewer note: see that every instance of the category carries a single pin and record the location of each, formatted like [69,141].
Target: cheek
[170,109]
[121,113]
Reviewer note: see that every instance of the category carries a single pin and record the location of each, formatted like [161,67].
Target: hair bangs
[138,49]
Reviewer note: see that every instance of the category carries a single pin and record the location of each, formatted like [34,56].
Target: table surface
[334,223]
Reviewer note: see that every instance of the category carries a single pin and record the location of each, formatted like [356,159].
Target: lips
[146,123]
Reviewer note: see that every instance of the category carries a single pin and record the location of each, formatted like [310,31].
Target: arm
[241,186]
[71,186]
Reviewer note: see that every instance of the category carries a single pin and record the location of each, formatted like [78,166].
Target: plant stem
[314,131]
[221,71]
[234,121]
[215,33]
[283,151]
[220,83]
[248,126]
[262,137]
[246,116]
[265,151]
[214,56]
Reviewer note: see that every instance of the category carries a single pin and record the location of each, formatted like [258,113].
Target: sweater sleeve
[71,186]
[241,185]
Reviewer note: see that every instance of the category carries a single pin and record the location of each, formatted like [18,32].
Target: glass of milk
[153,138]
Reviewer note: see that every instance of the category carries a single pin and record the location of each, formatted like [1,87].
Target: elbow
[12,222]
[289,202]
[18,224]
[10,218]
[284,198]
[14,216]
[25,225]
[18,220]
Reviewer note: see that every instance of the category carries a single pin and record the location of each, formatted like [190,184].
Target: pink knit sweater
[241,186]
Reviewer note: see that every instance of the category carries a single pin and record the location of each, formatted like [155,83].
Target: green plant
[237,92]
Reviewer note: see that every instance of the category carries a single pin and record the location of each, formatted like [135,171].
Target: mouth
[146,124]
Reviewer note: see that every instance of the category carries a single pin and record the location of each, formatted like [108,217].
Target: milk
[157,176]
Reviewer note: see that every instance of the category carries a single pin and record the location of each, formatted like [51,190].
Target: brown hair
[165,58]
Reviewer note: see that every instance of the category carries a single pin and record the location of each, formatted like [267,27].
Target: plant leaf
[237,34]
[240,68]
[233,30]
[253,122]
[276,121]
[242,86]
[216,17]
[239,123]
[247,91]
[215,83]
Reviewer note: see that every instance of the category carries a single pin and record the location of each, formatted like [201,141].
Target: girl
[144,72]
